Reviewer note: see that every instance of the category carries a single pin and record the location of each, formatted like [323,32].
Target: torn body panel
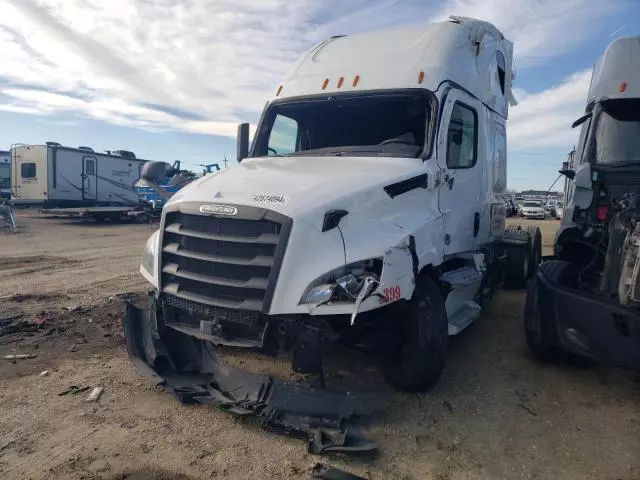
[189,368]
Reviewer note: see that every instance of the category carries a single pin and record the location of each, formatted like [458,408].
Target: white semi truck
[586,298]
[369,209]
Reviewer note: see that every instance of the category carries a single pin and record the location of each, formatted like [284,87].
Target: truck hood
[295,185]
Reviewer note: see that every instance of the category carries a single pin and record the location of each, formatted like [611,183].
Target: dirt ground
[496,413]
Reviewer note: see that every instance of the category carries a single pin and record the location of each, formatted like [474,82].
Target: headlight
[344,283]
[149,256]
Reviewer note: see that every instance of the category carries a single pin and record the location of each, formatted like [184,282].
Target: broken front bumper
[587,325]
[189,368]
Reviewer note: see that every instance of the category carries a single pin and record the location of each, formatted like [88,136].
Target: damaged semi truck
[586,299]
[368,210]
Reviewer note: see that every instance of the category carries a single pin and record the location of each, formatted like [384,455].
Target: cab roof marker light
[325,82]
[279,90]
[356,79]
[421,77]
[340,82]
[623,86]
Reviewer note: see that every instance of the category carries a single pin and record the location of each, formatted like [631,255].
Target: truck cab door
[461,161]
[89,178]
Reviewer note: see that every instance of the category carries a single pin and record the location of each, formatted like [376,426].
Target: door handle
[448,179]
[476,223]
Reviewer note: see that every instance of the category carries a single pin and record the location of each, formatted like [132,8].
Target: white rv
[5,174]
[56,176]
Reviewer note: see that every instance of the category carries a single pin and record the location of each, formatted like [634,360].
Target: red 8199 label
[391,294]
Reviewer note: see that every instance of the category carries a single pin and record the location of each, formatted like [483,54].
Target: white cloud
[544,119]
[540,29]
[141,62]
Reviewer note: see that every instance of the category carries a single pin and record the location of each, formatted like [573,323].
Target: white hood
[297,185]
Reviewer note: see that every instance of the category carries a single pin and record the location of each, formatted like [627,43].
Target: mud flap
[189,368]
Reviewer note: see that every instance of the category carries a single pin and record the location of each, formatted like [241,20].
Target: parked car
[551,209]
[533,210]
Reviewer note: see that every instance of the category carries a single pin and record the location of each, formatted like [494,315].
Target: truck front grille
[225,262]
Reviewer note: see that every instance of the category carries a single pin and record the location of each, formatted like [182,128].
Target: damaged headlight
[345,283]
[149,255]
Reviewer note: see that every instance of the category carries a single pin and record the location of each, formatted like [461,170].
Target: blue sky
[171,79]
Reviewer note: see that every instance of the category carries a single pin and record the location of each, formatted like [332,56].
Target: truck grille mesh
[218,262]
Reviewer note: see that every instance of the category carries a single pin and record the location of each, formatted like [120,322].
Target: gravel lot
[495,414]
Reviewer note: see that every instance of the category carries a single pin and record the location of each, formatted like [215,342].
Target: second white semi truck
[586,298]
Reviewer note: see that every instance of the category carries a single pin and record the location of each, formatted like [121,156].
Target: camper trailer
[56,176]
[5,174]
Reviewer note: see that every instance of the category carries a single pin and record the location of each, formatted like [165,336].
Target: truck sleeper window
[363,125]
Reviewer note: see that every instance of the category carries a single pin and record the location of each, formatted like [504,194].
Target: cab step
[464,317]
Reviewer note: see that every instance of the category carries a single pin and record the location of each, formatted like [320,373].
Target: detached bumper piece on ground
[189,368]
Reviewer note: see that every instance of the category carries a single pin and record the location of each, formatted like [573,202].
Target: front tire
[536,333]
[418,362]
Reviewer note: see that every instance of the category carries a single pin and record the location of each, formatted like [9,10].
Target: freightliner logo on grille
[218,209]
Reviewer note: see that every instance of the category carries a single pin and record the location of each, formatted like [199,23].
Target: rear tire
[536,249]
[518,259]
[418,362]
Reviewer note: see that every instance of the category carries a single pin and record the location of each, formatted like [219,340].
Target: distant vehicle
[533,209]
[5,174]
[173,180]
[550,208]
[558,210]
[52,175]
[511,208]
[209,168]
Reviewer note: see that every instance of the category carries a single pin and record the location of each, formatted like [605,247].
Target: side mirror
[581,120]
[570,174]
[242,148]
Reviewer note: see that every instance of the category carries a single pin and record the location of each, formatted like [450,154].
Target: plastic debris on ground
[95,394]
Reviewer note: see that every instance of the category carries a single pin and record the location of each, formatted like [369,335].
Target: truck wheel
[517,270]
[534,329]
[536,249]
[416,365]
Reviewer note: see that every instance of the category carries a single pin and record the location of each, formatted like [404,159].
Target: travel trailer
[53,175]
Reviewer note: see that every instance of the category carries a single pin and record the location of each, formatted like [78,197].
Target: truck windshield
[616,140]
[347,125]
